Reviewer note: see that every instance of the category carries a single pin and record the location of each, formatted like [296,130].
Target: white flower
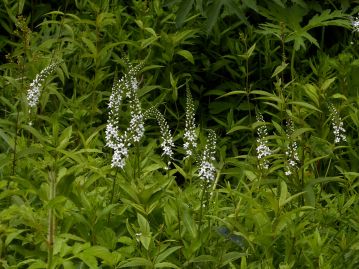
[292,151]
[338,125]
[126,86]
[262,148]
[167,140]
[190,136]
[34,91]
[207,170]
[355,23]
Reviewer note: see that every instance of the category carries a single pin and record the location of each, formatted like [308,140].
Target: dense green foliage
[268,88]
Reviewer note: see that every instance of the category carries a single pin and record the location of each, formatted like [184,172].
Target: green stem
[51,225]
[292,70]
[214,187]
[204,191]
[137,165]
[112,195]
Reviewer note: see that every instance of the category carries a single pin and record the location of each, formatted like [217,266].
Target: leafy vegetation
[179,134]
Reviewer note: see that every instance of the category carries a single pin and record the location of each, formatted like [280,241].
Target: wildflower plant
[190,135]
[34,91]
[262,149]
[291,152]
[337,125]
[207,171]
[126,87]
[167,143]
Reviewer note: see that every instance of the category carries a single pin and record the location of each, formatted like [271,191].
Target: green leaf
[57,201]
[90,45]
[326,84]
[249,53]
[145,240]
[309,188]
[239,128]
[145,237]
[189,224]
[306,105]
[12,236]
[213,14]
[100,252]
[163,255]
[166,265]
[230,257]
[279,69]
[251,4]
[133,262]
[183,10]
[88,259]
[65,138]
[186,54]
[232,93]
[202,259]
[283,193]
[37,265]
[298,132]
[144,225]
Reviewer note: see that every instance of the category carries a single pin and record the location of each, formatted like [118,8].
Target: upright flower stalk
[337,125]
[190,135]
[207,171]
[126,87]
[262,149]
[292,150]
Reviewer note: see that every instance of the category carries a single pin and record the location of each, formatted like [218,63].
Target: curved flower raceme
[167,140]
[34,91]
[127,86]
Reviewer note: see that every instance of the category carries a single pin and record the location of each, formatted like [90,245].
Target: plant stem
[112,195]
[292,70]
[51,225]
[137,164]
[204,191]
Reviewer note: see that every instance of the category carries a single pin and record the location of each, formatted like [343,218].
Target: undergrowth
[179,134]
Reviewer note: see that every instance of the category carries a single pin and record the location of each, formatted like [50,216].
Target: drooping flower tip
[167,140]
[125,87]
[34,91]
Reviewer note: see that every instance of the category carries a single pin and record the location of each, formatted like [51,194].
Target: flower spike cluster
[207,170]
[355,23]
[34,91]
[190,135]
[262,148]
[127,86]
[167,140]
[292,150]
[337,124]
